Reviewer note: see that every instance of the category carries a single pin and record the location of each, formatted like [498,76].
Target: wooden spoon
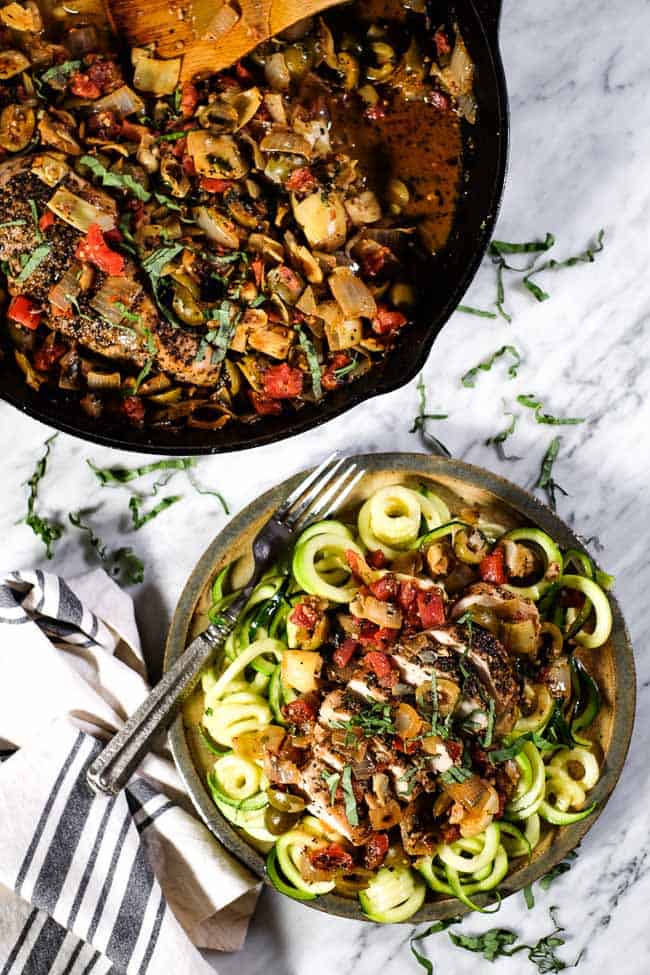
[209,35]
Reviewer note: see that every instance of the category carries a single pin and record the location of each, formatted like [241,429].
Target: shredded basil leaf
[47,531]
[307,347]
[57,76]
[498,248]
[138,519]
[147,367]
[13,223]
[432,929]
[456,774]
[499,439]
[214,494]
[468,310]
[529,897]
[332,782]
[124,562]
[558,870]
[36,259]
[123,181]
[489,730]
[351,812]
[529,400]
[469,379]
[587,256]
[420,421]
[153,266]
[34,209]
[546,481]
[122,475]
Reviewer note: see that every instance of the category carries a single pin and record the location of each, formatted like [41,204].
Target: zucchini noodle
[393,895]
[551,554]
[467,866]
[306,574]
[601,608]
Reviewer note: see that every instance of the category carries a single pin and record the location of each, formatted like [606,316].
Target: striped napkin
[131,884]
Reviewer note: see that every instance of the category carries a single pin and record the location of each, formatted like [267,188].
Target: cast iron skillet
[612,664]
[446,281]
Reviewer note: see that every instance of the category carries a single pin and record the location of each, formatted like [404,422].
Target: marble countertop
[579,85]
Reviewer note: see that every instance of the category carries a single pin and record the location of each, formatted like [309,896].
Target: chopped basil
[57,76]
[529,897]
[468,310]
[175,136]
[586,257]
[146,369]
[456,774]
[332,780]
[351,812]
[34,209]
[124,561]
[491,944]
[489,730]
[500,247]
[501,293]
[123,181]
[499,438]
[307,347]
[13,223]
[373,719]
[122,475]
[420,421]
[167,201]
[215,494]
[154,266]
[48,532]
[546,481]
[432,929]
[138,519]
[346,370]
[220,338]
[469,379]
[529,400]
[558,870]
[36,259]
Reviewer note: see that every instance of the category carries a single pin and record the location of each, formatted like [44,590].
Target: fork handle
[112,769]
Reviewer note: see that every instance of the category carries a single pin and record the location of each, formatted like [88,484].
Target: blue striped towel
[131,884]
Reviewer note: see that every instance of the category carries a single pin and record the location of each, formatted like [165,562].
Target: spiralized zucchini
[273,660]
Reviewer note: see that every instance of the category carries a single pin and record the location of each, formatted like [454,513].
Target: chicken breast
[175,348]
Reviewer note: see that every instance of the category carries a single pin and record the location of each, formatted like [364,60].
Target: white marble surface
[580,93]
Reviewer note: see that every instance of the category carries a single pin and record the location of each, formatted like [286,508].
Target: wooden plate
[461,485]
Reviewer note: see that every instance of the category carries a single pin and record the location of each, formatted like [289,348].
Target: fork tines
[321,493]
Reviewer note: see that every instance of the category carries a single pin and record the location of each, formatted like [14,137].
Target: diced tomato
[134,408]
[376,850]
[131,131]
[408,592]
[331,858]
[375,112]
[450,833]
[454,748]
[344,653]
[302,180]
[47,355]
[82,86]
[94,249]
[493,567]
[442,44]
[304,616]
[263,405]
[439,100]
[379,663]
[407,747]
[374,262]
[329,380]
[242,72]
[386,588]
[189,99]
[188,166]
[299,711]
[431,607]
[376,559]
[46,221]
[105,74]
[216,185]
[386,321]
[371,635]
[257,267]
[106,125]
[282,382]
[22,310]
[179,149]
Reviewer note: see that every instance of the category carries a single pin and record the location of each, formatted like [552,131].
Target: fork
[317,496]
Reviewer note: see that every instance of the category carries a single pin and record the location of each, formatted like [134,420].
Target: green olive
[299,59]
[279,168]
[278,822]
[382,73]
[187,307]
[383,52]
[349,68]
[285,801]
[470,548]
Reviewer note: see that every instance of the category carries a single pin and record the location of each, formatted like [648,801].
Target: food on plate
[234,247]
[404,707]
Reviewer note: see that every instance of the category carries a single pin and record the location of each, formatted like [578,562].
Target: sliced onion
[78,212]
[353,296]
[153,74]
[210,25]
[274,103]
[277,72]
[103,380]
[217,227]
[113,297]
[66,289]
[284,140]
[123,101]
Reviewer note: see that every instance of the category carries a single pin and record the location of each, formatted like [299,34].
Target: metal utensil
[317,496]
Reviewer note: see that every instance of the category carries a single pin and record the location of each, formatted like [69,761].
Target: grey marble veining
[579,80]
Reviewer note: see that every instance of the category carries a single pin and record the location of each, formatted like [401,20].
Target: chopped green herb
[529,400]
[34,209]
[122,475]
[491,944]
[94,540]
[468,310]
[501,293]
[220,338]
[176,99]
[351,812]
[147,367]
[499,438]
[500,247]
[469,379]
[529,897]
[332,780]
[57,76]
[167,201]
[558,870]
[307,347]
[154,267]
[586,257]
[123,181]
[36,259]
[489,730]
[48,532]
[373,719]
[215,494]
[138,519]
[13,223]
[124,561]
[456,774]
[432,929]
[346,370]
[422,418]
[546,480]
[129,315]
[175,136]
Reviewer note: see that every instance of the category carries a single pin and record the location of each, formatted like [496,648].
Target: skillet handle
[489,12]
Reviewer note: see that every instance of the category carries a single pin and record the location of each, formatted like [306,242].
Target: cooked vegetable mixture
[232,247]
[403,706]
